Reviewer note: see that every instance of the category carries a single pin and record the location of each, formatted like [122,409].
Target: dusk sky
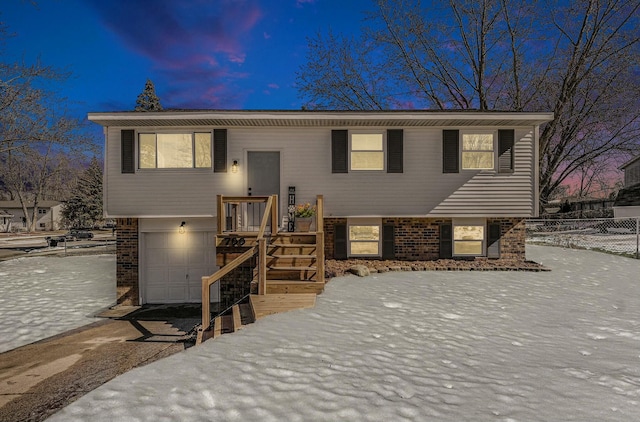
[221,54]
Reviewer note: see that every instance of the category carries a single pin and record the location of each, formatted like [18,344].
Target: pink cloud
[274,86]
[192,44]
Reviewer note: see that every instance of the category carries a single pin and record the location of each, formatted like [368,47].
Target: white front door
[174,265]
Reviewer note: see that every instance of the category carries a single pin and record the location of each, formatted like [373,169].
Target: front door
[263,173]
[263,179]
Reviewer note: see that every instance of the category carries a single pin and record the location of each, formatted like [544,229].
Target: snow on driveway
[44,296]
[415,346]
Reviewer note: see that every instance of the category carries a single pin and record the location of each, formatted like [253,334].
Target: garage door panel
[177,293]
[175,264]
[156,257]
[155,240]
[176,257]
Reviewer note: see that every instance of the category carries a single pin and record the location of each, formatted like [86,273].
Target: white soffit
[242,118]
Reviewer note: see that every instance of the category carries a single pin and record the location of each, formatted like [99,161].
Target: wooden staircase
[288,274]
[292,265]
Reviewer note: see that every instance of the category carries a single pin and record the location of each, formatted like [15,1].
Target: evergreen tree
[84,208]
[148,100]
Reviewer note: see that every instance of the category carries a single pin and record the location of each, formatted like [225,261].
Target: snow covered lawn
[414,346]
[44,296]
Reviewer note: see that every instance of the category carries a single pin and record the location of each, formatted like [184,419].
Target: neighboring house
[5,221]
[49,215]
[627,203]
[407,185]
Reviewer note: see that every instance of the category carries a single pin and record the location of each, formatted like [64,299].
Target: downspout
[105,131]
[536,171]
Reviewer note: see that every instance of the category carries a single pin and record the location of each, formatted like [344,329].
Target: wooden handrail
[271,209]
[207,281]
[265,218]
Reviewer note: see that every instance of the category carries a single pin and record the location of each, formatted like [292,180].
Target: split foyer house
[406,185]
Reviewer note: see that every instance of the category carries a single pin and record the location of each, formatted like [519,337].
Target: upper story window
[367,152]
[357,151]
[174,150]
[632,174]
[477,151]
[42,211]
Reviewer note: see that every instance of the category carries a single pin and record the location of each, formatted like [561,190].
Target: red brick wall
[127,258]
[418,239]
[512,237]
[329,235]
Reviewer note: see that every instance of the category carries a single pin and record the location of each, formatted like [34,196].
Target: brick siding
[418,239]
[127,258]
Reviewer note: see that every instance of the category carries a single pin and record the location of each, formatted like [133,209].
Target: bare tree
[38,138]
[579,59]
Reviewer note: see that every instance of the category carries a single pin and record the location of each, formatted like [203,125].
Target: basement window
[364,238]
[468,237]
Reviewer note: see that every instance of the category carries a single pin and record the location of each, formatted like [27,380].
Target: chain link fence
[620,236]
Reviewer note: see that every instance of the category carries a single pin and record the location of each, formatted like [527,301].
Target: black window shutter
[340,241]
[493,241]
[127,147]
[388,242]
[506,139]
[394,150]
[446,240]
[339,151]
[220,150]
[450,151]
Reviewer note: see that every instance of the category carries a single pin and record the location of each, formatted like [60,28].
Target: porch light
[234,166]
[181,228]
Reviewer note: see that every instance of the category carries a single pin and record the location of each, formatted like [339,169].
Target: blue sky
[224,54]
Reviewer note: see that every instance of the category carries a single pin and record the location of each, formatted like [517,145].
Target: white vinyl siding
[421,190]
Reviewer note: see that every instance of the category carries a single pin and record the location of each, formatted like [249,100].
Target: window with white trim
[478,151]
[469,237]
[364,238]
[174,150]
[367,151]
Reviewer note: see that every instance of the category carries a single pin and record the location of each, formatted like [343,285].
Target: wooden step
[292,273]
[288,287]
[290,261]
[293,239]
[264,305]
[291,249]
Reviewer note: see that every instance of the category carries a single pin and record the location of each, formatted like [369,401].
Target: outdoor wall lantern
[181,228]
[234,166]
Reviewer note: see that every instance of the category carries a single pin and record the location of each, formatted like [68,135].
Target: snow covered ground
[414,346]
[44,296]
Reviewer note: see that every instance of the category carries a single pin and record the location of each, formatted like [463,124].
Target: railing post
[320,213]
[320,256]
[262,266]
[222,220]
[206,303]
[274,215]
[638,238]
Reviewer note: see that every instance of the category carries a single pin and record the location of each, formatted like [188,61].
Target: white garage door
[174,264]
